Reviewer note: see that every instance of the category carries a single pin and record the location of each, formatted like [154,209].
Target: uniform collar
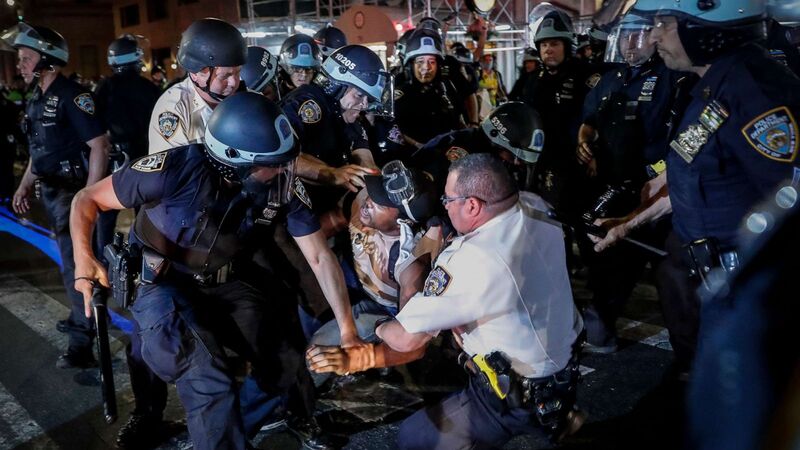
[496,220]
[709,84]
[197,101]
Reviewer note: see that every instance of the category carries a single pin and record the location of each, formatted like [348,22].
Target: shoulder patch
[593,80]
[150,163]
[395,135]
[398,94]
[437,282]
[167,124]
[301,193]
[774,134]
[310,112]
[455,153]
[85,103]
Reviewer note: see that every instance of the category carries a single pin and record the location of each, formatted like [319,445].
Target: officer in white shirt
[212,51]
[502,287]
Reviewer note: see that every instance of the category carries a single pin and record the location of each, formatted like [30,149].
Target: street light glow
[10,2]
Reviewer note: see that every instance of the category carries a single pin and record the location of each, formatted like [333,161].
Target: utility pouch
[154,265]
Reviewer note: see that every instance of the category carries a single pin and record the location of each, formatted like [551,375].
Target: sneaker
[73,360]
[310,434]
[599,349]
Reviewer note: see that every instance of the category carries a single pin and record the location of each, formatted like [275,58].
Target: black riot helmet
[400,46]
[329,39]
[360,67]
[516,127]
[51,46]
[259,70]
[300,50]
[413,192]
[556,24]
[430,23]
[124,53]
[248,130]
[211,43]
[423,42]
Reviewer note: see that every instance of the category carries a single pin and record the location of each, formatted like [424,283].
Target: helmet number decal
[310,112]
[167,124]
[343,60]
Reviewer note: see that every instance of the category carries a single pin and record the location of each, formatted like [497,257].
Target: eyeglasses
[445,199]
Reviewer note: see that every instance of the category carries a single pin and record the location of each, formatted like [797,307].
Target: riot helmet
[530,54]
[329,39]
[412,192]
[517,128]
[423,42]
[124,53]
[48,43]
[581,42]
[402,44]
[211,43]
[555,24]
[463,54]
[432,24]
[300,50]
[259,70]
[628,42]
[235,147]
[710,28]
[360,67]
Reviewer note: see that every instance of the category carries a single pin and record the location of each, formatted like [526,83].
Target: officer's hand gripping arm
[86,204]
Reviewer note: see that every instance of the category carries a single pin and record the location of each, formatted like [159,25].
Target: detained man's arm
[411,281]
[98,158]
[331,280]
[86,204]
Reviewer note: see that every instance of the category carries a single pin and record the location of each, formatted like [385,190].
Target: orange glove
[343,361]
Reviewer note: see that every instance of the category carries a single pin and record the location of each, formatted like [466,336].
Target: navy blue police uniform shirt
[436,155]
[59,123]
[424,111]
[317,120]
[182,194]
[629,107]
[737,140]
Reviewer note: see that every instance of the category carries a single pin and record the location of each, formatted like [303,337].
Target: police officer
[557,93]
[212,51]
[511,321]
[205,208]
[426,103]
[324,114]
[300,60]
[530,66]
[158,76]
[69,150]
[329,39]
[513,132]
[623,143]
[258,72]
[730,147]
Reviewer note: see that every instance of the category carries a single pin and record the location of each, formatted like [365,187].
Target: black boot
[310,434]
[76,360]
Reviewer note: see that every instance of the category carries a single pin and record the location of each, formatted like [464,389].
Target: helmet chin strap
[207,87]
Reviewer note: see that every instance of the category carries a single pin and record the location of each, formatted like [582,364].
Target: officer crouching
[503,289]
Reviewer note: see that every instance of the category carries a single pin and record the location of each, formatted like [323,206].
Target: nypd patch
[593,80]
[167,124]
[310,112]
[150,163]
[85,103]
[395,135]
[301,193]
[455,153]
[437,282]
[774,134]
[398,94]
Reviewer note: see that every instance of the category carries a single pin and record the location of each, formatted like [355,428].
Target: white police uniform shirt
[504,287]
[179,118]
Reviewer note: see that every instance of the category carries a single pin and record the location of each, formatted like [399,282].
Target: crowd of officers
[414,209]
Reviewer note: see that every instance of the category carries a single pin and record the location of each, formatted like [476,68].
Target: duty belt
[706,261]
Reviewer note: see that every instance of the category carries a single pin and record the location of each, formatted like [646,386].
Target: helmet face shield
[398,182]
[628,42]
[24,35]
[271,186]
[385,106]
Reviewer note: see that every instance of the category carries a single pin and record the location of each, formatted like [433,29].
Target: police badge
[301,193]
[689,143]
[85,103]
[309,112]
[774,134]
[150,163]
[455,153]
[437,282]
[167,124]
